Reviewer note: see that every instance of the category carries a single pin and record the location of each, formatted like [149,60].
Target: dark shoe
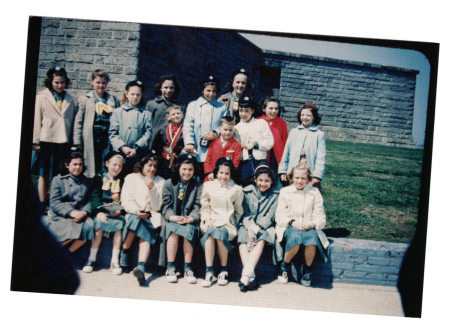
[139,275]
[242,287]
[89,266]
[253,284]
[306,278]
[126,270]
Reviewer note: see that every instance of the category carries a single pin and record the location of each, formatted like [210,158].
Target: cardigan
[216,151]
[313,141]
[51,124]
[255,131]
[302,205]
[280,135]
[222,204]
[83,132]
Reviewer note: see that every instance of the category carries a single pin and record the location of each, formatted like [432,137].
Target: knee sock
[224,268]
[115,256]
[93,254]
[141,266]
[187,266]
[170,265]
[285,266]
[210,270]
[124,257]
[307,269]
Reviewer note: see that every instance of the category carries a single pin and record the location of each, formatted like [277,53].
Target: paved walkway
[341,297]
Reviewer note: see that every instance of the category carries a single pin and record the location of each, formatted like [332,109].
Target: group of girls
[128,198]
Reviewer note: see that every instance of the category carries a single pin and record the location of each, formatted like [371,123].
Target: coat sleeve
[208,164]
[188,125]
[318,214]
[247,216]
[156,195]
[205,205]
[238,210]
[267,141]
[284,163]
[267,220]
[59,207]
[127,199]
[282,211]
[87,199]
[167,200]
[114,127]
[78,123]
[237,154]
[144,141]
[38,119]
[195,213]
[97,193]
[319,166]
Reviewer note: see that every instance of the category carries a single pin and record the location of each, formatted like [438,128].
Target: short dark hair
[177,166]
[143,161]
[56,72]
[100,73]
[262,169]
[314,111]
[168,77]
[69,157]
[225,162]
[249,85]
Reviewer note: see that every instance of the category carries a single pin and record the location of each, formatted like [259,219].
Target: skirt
[142,228]
[218,233]
[187,231]
[296,237]
[50,159]
[66,229]
[111,225]
[262,235]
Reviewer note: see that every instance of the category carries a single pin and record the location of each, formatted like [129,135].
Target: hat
[145,153]
[241,71]
[56,70]
[135,83]
[210,80]
[247,102]
[111,154]
[309,105]
[187,157]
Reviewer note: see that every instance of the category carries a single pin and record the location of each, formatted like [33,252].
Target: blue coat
[202,117]
[313,140]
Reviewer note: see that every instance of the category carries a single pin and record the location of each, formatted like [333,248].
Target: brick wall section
[357,101]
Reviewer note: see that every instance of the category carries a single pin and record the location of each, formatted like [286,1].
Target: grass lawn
[372,191]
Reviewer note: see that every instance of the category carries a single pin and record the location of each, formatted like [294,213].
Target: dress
[223,205]
[136,196]
[69,193]
[104,196]
[91,129]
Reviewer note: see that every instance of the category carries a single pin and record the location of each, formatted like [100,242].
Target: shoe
[89,266]
[116,269]
[139,275]
[283,278]
[126,270]
[223,278]
[242,287]
[171,276]
[189,277]
[207,282]
[306,278]
[253,284]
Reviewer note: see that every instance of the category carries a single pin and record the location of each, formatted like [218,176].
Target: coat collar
[216,184]
[127,107]
[311,128]
[292,189]
[67,100]
[202,101]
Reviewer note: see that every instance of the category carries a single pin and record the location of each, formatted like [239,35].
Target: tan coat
[301,205]
[51,124]
[222,204]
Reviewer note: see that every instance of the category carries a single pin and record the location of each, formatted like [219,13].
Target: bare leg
[128,240]
[209,251]
[42,188]
[97,238]
[144,250]
[291,253]
[188,251]
[66,242]
[172,247]
[310,252]
[255,253]
[75,245]
[223,253]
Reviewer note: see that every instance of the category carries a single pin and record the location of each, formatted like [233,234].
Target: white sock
[115,256]
[93,254]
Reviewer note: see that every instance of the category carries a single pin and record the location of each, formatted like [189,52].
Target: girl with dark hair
[53,125]
[166,91]
[306,144]
[70,205]
[221,210]
[257,226]
[141,199]
[181,212]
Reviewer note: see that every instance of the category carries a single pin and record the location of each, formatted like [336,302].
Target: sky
[409,59]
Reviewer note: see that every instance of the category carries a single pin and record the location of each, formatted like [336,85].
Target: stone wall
[357,101]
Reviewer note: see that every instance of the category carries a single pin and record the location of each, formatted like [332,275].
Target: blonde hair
[171,107]
[300,166]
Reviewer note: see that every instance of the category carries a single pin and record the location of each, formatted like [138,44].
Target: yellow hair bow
[111,184]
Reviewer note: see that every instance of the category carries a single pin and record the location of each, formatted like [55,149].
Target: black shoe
[306,277]
[126,270]
[253,284]
[242,287]
[139,275]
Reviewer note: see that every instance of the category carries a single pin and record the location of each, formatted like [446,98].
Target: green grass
[372,190]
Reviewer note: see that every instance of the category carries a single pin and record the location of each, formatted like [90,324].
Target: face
[99,85]
[300,178]
[175,116]
[58,84]
[167,89]
[186,172]
[307,118]
[209,92]
[149,168]
[271,110]
[226,131]
[239,84]
[224,175]
[263,182]
[245,114]
[114,166]
[134,95]
[75,166]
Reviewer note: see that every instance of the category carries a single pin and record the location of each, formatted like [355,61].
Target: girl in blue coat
[181,213]
[305,144]
[257,226]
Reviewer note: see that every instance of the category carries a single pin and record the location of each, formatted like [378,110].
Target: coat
[222,204]
[280,135]
[256,130]
[202,117]
[136,196]
[302,205]
[313,140]
[83,127]
[228,101]
[69,193]
[51,124]
[216,151]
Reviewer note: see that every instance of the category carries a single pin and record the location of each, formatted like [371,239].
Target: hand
[210,135]
[142,215]
[314,181]
[206,225]
[255,228]
[249,146]
[306,226]
[115,214]
[101,216]
[189,148]
[175,219]
[132,153]
[78,216]
[211,176]
[36,148]
[149,182]
[188,220]
[126,150]
[283,177]
[297,224]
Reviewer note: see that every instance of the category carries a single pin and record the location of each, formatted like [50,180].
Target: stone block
[94,34]
[118,43]
[120,26]
[378,261]
[355,274]
[54,32]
